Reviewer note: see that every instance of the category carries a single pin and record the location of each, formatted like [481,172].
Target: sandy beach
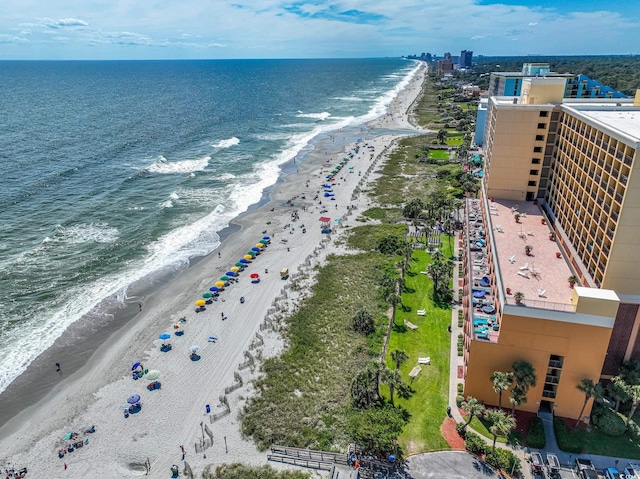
[175,416]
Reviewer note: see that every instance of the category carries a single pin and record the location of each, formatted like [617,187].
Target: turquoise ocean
[115,173]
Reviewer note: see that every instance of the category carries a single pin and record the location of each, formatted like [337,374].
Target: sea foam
[226,143]
[165,167]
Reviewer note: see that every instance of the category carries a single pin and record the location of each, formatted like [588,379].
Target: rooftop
[541,276]
[626,120]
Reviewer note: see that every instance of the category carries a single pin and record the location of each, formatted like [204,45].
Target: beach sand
[175,415]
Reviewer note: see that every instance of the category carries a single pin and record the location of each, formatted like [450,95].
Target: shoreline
[102,383]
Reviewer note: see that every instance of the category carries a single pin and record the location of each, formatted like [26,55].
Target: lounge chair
[410,325]
[484,335]
[422,312]
[512,259]
[542,292]
[426,360]
[524,266]
[523,274]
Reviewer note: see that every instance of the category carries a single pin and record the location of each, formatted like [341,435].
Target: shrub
[459,400]
[566,441]
[460,314]
[503,459]
[460,387]
[609,422]
[634,430]
[461,429]
[536,437]
[475,444]
[460,322]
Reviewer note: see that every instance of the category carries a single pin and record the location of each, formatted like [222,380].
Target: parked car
[553,465]
[537,464]
[613,473]
[632,471]
[586,469]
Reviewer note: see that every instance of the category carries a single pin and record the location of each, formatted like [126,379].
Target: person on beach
[58,367]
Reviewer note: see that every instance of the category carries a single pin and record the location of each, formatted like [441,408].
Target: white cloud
[308,28]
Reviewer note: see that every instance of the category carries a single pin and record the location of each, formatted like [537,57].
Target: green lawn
[428,404]
[438,154]
[481,426]
[454,137]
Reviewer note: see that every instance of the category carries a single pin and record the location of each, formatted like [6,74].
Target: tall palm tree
[517,398]
[501,382]
[394,380]
[473,408]
[618,390]
[634,395]
[399,356]
[524,376]
[590,390]
[501,424]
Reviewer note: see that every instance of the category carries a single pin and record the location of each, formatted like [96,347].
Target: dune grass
[304,393]
[427,406]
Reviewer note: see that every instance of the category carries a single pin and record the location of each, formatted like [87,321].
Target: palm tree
[590,390]
[473,408]
[634,395]
[394,380]
[501,424]
[618,390]
[399,356]
[517,397]
[364,388]
[501,382]
[524,375]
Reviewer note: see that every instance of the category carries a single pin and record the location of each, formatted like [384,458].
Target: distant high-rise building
[428,57]
[447,56]
[445,67]
[466,58]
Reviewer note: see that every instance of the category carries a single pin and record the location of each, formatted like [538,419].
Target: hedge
[566,441]
[536,437]
[474,443]
[503,459]
[609,422]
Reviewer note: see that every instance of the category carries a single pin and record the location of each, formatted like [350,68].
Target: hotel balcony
[497,266]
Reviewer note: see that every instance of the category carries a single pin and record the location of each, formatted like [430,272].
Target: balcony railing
[541,304]
[554,363]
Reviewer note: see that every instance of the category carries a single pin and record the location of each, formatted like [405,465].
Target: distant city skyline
[185,29]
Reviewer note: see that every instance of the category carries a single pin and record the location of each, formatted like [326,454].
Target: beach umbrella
[164,336]
[255,249]
[219,284]
[134,399]
[239,264]
[224,278]
[251,253]
[263,242]
[254,276]
[214,289]
[207,295]
[234,269]
[230,273]
[201,302]
[267,238]
[135,366]
[194,349]
[246,258]
[153,375]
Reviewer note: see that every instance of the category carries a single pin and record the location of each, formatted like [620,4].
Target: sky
[219,29]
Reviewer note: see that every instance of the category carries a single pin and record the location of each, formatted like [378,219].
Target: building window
[533,172]
[537,149]
[535,161]
[544,114]
[532,183]
[539,137]
[542,126]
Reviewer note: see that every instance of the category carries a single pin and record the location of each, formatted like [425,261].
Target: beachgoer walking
[222,315]
[183,453]
[219,254]
[140,304]
[58,367]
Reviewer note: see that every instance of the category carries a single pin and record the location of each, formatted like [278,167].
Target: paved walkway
[449,464]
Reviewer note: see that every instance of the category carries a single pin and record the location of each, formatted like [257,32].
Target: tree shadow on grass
[411,273]
[408,290]
[405,308]
[399,328]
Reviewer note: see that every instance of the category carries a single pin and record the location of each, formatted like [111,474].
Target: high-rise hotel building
[560,201]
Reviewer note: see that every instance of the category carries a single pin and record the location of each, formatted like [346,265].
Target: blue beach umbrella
[164,336]
[256,249]
[134,399]
[230,273]
[267,238]
[243,261]
[214,289]
[135,366]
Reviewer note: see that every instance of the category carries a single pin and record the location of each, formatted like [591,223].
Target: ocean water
[115,172]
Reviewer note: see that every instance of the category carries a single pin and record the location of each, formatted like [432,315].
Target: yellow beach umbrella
[219,284]
[235,269]
[259,245]
[248,257]
[201,302]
